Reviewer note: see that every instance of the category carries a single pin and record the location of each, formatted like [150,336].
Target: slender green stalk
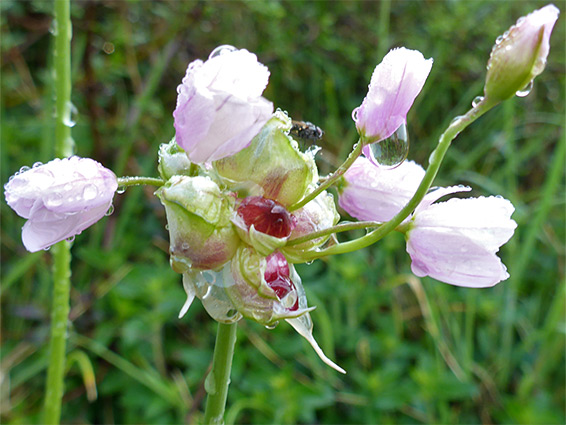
[217,381]
[332,179]
[435,160]
[341,227]
[58,341]
[61,252]
[139,181]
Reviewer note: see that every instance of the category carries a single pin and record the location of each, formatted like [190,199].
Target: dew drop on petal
[391,152]
[37,164]
[23,169]
[71,239]
[110,210]
[90,192]
[476,101]
[355,114]
[525,90]
[221,50]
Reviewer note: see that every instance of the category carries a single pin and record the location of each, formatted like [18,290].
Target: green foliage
[416,351]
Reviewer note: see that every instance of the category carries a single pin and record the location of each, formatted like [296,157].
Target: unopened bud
[198,216]
[272,166]
[172,161]
[519,55]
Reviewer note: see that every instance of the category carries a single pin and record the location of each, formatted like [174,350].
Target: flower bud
[272,166]
[395,83]
[172,161]
[198,216]
[219,106]
[519,55]
[60,199]
[263,223]
[263,289]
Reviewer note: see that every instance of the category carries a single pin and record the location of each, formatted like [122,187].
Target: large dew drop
[526,90]
[391,152]
[220,50]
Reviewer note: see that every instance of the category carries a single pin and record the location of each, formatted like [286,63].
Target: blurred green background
[416,350]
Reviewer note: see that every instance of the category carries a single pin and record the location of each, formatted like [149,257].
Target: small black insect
[306,131]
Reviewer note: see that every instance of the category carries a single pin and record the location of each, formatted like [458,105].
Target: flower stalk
[62,251]
[218,380]
[140,181]
[356,152]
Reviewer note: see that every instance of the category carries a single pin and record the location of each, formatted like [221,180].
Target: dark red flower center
[277,277]
[267,216]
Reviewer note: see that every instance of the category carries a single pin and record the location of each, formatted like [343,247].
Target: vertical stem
[61,251]
[219,378]
[57,344]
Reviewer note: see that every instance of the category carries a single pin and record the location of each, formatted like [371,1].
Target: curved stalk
[330,180]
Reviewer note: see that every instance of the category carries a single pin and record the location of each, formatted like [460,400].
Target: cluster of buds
[244,203]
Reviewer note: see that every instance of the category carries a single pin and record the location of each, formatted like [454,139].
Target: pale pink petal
[394,85]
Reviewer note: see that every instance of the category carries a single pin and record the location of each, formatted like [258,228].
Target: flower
[60,199]
[456,241]
[369,192]
[519,55]
[219,106]
[395,83]
[198,217]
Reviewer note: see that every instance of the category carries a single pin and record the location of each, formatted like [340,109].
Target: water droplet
[110,210]
[313,150]
[520,21]
[71,239]
[355,114]
[120,190]
[37,164]
[47,248]
[53,27]
[456,119]
[210,384]
[221,50]
[271,326]
[477,101]
[23,169]
[167,227]
[391,152]
[90,192]
[70,118]
[108,48]
[54,200]
[525,90]
[499,39]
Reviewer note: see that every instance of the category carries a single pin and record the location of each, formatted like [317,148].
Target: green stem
[61,252]
[435,159]
[330,180]
[139,181]
[217,381]
[58,341]
[341,227]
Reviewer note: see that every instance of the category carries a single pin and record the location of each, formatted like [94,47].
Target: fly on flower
[306,131]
